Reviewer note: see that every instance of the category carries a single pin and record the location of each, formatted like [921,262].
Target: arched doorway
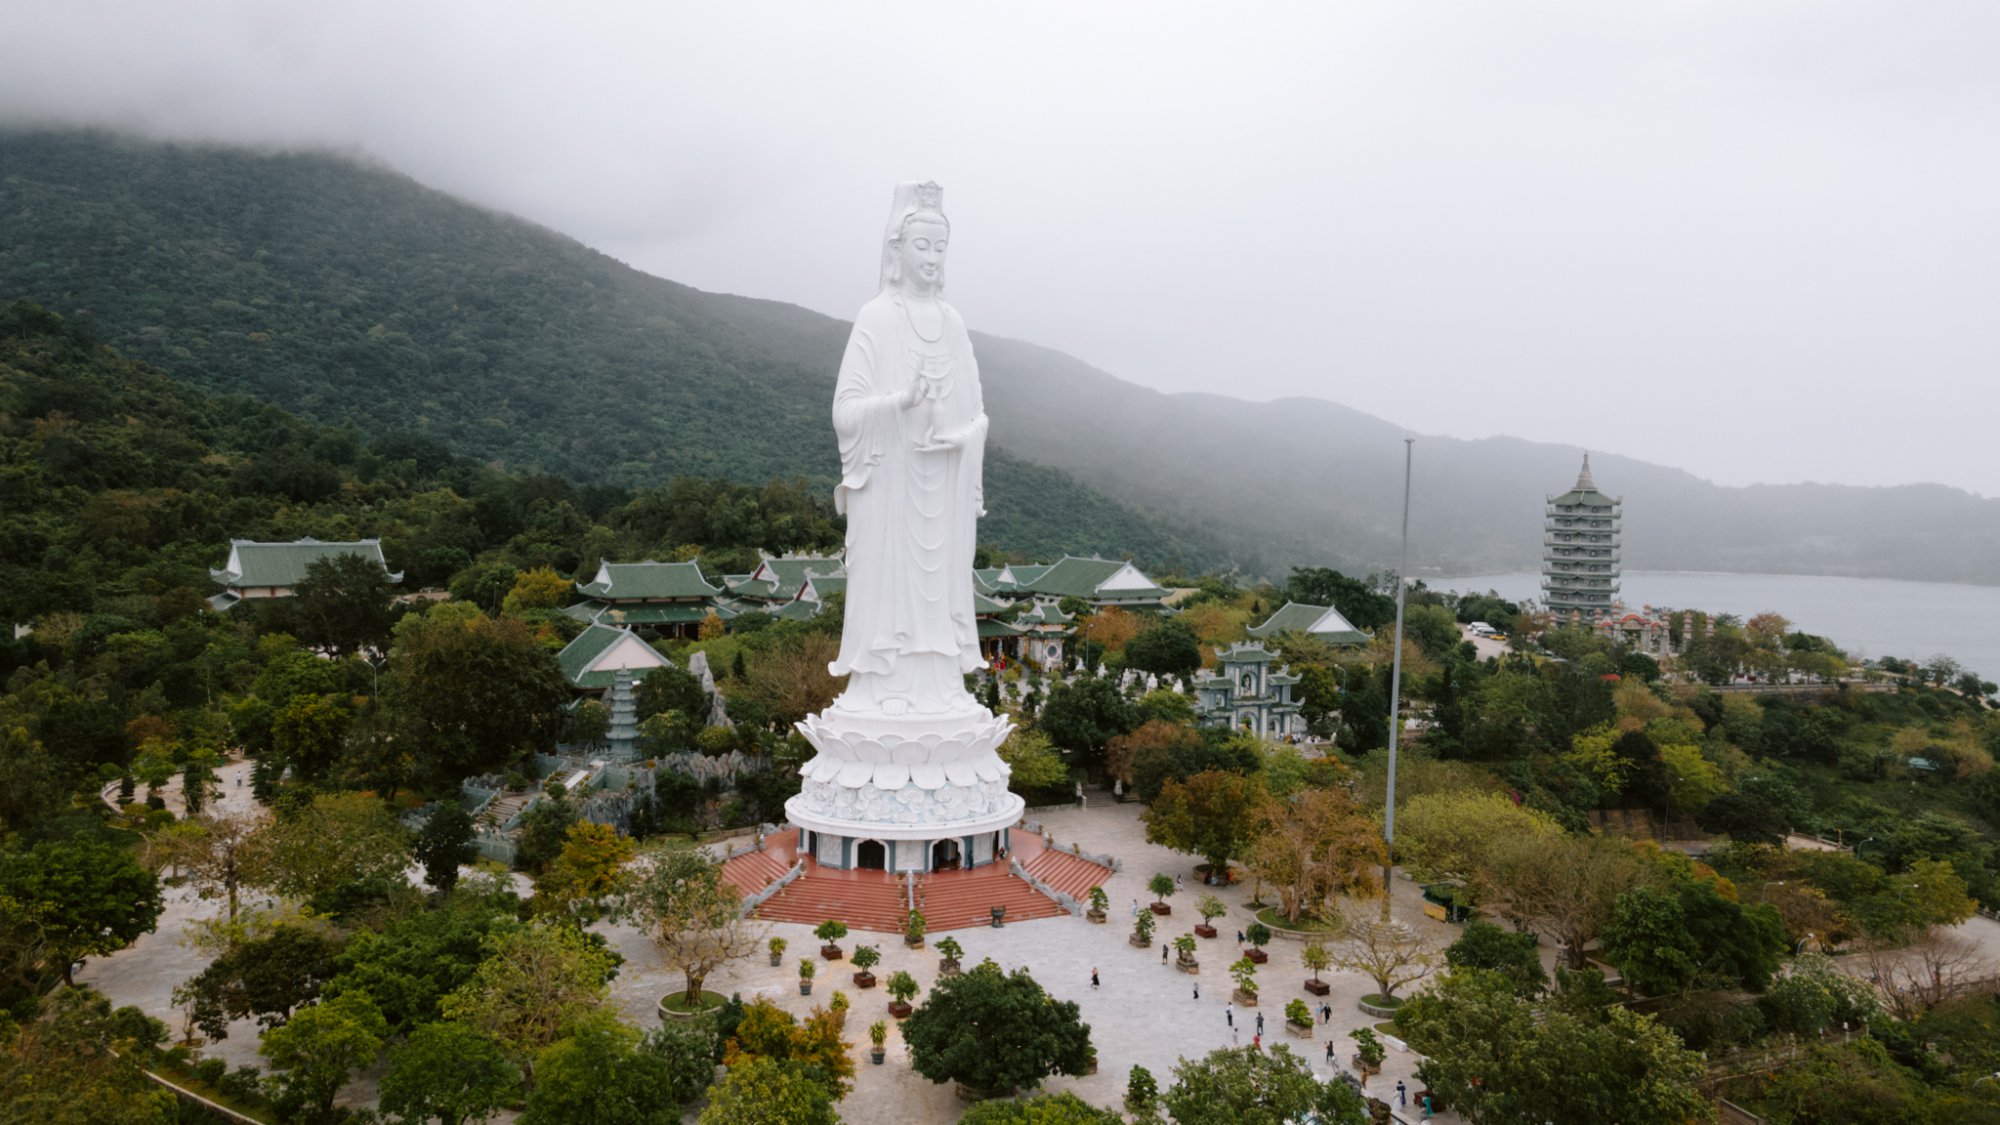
[944,855]
[870,855]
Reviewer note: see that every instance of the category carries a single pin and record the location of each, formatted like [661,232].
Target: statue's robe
[912,517]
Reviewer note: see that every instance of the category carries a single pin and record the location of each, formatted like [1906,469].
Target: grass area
[1381,1001]
[676,1001]
[1275,919]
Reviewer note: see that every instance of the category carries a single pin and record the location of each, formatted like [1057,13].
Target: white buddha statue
[912,429]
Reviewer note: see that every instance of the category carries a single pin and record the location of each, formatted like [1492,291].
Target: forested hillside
[352,295]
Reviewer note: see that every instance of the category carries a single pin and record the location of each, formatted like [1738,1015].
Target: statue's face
[922,254]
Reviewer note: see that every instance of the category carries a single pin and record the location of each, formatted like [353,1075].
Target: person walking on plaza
[1093,976]
[1177,884]
[1229,1013]
[1257,1042]
[1329,1052]
[1325,1012]
[1197,990]
[1260,1023]
[1402,1094]
[1163,953]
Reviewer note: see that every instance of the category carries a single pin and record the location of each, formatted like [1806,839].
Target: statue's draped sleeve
[864,404]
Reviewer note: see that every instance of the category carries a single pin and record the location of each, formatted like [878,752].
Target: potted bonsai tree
[1210,908]
[1369,1051]
[913,929]
[866,957]
[1245,973]
[902,989]
[806,971]
[950,952]
[837,1008]
[830,932]
[777,947]
[1298,1018]
[1142,930]
[1100,905]
[1184,954]
[1162,886]
[878,1034]
[1260,936]
[1316,958]
[1142,1094]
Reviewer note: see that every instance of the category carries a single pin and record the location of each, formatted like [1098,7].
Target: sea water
[1867,617]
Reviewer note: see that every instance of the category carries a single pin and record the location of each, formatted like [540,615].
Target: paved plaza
[1144,1013]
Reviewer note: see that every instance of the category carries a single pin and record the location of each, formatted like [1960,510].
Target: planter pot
[1160,908]
[913,942]
[777,959]
[1142,943]
[864,979]
[1204,930]
[1091,1066]
[876,1055]
[1256,956]
[1244,999]
[805,988]
[830,952]
[1318,987]
[1299,1030]
[1187,965]
[1097,916]
[947,967]
[1363,1069]
[900,1010]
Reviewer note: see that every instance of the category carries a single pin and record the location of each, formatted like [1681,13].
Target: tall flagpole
[1396,690]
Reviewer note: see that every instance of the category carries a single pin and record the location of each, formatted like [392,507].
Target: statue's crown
[930,196]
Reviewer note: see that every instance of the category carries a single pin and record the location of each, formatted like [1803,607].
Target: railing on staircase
[1065,901]
[756,843]
[752,902]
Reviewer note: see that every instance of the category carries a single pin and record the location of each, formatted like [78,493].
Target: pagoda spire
[1583,481]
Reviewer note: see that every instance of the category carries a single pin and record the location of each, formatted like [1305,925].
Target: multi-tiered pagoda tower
[1580,550]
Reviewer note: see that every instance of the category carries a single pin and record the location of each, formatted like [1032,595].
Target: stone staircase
[753,871]
[1070,874]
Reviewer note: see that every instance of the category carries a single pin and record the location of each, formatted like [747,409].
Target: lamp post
[1396,692]
[1764,895]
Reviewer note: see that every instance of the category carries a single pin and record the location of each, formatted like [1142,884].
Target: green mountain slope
[350,293]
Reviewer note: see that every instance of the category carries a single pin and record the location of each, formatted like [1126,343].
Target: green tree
[417,958]
[321,1045]
[338,845]
[533,983]
[1034,763]
[1666,940]
[1360,603]
[1434,628]
[1484,945]
[266,977]
[449,1072]
[1167,647]
[1246,1086]
[994,1031]
[544,827]
[761,1091]
[1212,815]
[678,897]
[444,844]
[587,871]
[83,898]
[472,692]
[80,1063]
[1084,715]
[597,1074]
[344,605]
[1042,1109]
[309,732]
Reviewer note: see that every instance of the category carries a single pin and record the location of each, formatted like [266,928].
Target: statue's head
[913,246]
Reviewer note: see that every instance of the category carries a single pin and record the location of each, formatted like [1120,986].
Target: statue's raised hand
[912,396]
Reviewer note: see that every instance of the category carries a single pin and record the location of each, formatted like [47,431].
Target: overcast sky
[1759,241]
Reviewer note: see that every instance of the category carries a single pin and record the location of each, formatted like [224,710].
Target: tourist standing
[1402,1094]
[1229,1013]
[1260,1023]
[1093,976]
[1197,990]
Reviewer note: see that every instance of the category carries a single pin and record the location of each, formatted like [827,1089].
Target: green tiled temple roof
[1320,621]
[576,657]
[254,565]
[649,581]
[1084,578]
[685,613]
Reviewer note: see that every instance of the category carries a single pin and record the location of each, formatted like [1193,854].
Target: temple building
[271,570]
[1321,622]
[594,659]
[1101,582]
[1580,551]
[1246,693]
[1045,630]
[783,579]
[673,598]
